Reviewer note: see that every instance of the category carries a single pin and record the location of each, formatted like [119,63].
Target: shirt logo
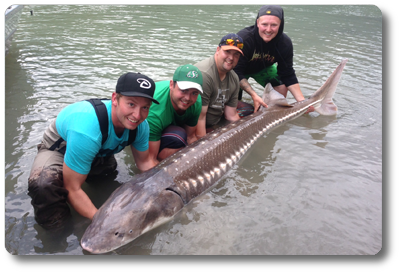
[144,83]
[192,74]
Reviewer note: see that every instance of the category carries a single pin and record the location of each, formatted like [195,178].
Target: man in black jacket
[267,56]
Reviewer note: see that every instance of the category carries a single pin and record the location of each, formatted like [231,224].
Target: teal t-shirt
[162,115]
[78,125]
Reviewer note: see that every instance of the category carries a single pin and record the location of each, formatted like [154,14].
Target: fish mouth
[86,246]
[91,244]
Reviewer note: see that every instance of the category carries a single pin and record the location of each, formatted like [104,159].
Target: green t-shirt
[216,93]
[162,115]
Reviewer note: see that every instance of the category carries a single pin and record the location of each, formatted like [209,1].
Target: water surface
[311,187]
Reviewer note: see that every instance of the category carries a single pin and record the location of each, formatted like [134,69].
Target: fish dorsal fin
[272,97]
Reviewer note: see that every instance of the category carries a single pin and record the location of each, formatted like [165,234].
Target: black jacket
[258,54]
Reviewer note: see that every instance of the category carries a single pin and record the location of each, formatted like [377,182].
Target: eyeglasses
[232,42]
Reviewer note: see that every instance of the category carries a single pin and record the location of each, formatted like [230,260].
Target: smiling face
[226,60]
[182,99]
[128,112]
[268,27]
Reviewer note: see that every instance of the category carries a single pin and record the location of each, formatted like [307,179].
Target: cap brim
[227,47]
[137,94]
[187,85]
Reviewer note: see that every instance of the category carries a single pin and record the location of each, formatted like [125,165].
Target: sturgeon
[155,196]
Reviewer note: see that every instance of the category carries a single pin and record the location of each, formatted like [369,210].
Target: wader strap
[101,112]
[57,144]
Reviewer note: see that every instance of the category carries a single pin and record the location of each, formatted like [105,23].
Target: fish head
[133,209]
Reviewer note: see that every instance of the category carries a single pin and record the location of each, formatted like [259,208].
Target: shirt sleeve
[156,128]
[285,63]
[234,94]
[207,90]
[141,142]
[81,151]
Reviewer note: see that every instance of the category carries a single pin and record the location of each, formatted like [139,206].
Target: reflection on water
[312,186]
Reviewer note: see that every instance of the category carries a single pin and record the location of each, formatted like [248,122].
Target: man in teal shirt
[173,121]
[73,148]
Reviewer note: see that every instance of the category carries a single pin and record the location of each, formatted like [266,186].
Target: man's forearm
[296,92]
[77,198]
[201,128]
[201,123]
[81,203]
[245,85]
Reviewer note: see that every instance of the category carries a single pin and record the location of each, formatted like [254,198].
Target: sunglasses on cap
[232,42]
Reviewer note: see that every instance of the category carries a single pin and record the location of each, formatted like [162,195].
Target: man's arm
[191,134]
[77,198]
[257,100]
[296,91]
[231,113]
[298,95]
[201,123]
[154,147]
[143,160]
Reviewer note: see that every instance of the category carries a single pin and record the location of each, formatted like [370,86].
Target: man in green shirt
[173,121]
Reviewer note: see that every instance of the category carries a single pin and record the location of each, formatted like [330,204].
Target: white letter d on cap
[144,83]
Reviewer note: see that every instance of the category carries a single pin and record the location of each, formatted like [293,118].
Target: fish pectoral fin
[272,97]
[282,103]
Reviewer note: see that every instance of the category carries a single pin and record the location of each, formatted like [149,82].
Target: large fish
[154,197]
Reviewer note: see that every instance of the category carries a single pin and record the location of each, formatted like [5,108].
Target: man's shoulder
[160,94]
[233,75]
[206,65]
[162,88]
[78,125]
[144,126]
[208,69]
[247,32]
[143,129]
[83,109]
[284,41]
[161,85]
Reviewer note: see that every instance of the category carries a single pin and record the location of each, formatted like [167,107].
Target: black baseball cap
[136,85]
[271,10]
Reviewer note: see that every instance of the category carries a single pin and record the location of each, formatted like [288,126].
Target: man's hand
[310,109]
[191,134]
[258,102]
[144,161]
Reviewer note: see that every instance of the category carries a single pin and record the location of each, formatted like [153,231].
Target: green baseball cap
[188,76]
